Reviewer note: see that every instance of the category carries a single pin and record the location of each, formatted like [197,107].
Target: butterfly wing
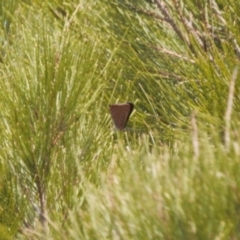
[131,107]
[120,114]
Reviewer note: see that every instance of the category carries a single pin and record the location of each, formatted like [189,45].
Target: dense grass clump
[65,173]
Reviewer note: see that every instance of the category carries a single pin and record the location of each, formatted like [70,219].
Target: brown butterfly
[120,114]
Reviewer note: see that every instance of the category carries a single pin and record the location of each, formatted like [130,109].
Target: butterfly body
[120,114]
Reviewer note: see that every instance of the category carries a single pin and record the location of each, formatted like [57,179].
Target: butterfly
[120,114]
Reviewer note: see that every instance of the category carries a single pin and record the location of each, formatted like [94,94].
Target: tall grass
[65,174]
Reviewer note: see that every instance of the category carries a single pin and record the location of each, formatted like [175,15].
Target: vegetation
[65,174]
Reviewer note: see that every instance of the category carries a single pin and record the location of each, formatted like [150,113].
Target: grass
[65,174]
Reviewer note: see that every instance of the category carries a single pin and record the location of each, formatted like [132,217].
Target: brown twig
[174,54]
[168,18]
[146,12]
[189,24]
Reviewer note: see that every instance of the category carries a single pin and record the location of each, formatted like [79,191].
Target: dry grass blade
[229,108]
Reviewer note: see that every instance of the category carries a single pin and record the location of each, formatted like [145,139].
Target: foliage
[65,174]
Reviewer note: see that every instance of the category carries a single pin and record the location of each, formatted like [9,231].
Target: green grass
[65,173]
